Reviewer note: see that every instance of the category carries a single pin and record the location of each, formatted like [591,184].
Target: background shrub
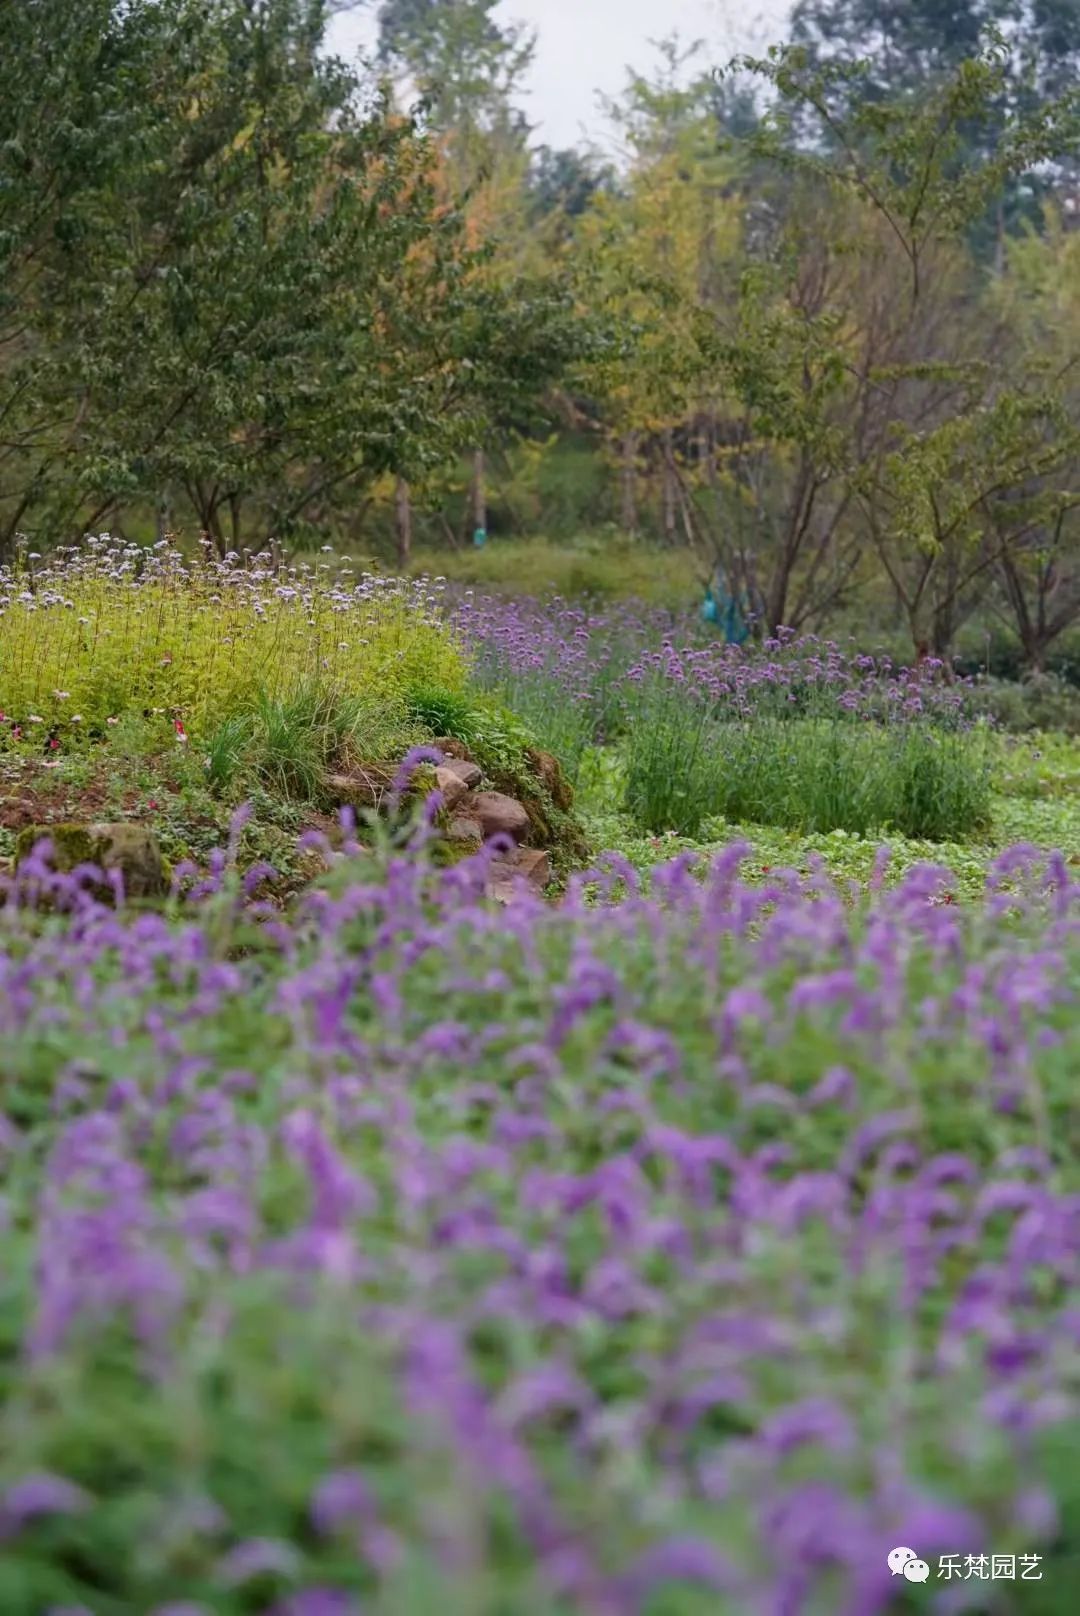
[1041,701]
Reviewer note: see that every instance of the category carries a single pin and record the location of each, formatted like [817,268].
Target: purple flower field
[797,731]
[666,1253]
[600,658]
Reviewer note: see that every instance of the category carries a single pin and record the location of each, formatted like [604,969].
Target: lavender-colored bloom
[561,1253]
[319,1602]
[341,1497]
[36,1496]
[258,1557]
[810,1422]
[682,1560]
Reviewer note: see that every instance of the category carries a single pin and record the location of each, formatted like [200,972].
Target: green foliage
[225,747]
[911,157]
[294,739]
[242,291]
[1041,701]
[908,44]
[1034,789]
[287,744]
[599,566]
[465,63]
[812,774]
[497,737]
[445,712]
[231,286]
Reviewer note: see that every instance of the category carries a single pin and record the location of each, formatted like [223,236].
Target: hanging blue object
[728,613]
[479,537]
[736,628]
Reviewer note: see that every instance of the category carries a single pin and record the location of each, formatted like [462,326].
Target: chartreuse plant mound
[676,1252]
[112,628]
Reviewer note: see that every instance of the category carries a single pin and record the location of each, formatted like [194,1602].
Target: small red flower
[152,802]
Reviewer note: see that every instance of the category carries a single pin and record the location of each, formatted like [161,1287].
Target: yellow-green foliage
[608,569]
[111,628]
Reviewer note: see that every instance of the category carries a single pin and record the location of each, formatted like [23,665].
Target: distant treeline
[816,323]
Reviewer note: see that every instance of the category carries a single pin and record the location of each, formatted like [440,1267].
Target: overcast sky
[584,46]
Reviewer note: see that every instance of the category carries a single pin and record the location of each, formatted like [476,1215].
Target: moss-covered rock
[370,785]
[449,850]
[550,826]
[451,747]
[549,771]
[132,850]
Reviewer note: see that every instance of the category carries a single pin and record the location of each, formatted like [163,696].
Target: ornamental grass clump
[684,767]
[109,628]
[671,1251]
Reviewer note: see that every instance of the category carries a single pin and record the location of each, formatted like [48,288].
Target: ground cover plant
[678,1253]
[1032,800]
[602,567]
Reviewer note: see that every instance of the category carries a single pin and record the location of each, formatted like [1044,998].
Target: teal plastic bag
[727,613]
[479,537]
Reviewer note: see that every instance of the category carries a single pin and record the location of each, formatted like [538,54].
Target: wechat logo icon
[905,1562]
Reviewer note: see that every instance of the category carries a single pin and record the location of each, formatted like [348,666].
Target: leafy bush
[1041,701]
[226,747]
[444,712]
[680,1254]
[295,739]
[111,628]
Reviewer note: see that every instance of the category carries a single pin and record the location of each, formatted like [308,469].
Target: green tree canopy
[229,274]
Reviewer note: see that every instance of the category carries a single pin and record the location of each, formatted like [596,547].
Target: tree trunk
[943,633]
[999,239]
[628,484]
[235,520]
[451,537]
[776,601]
[479,493]
[670,493]
[403,523]
[709,449]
